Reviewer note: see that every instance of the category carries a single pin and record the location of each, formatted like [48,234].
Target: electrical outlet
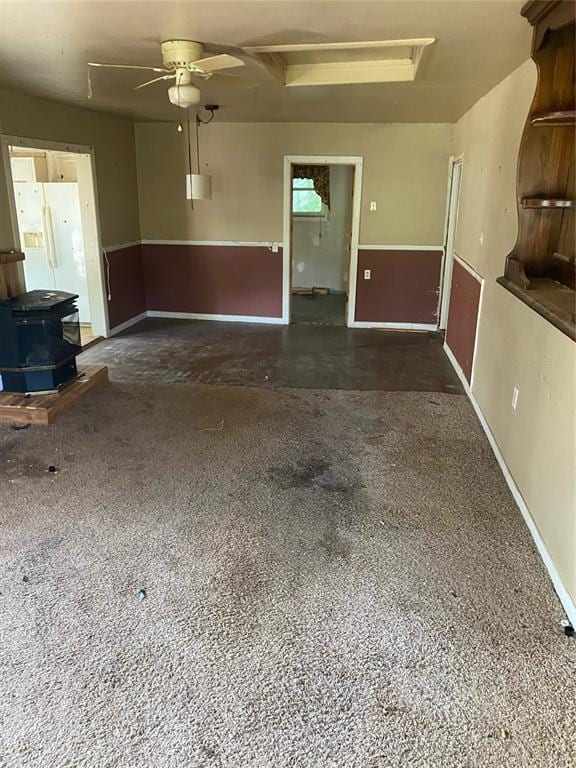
[372,205]
[515,393]
[367,274]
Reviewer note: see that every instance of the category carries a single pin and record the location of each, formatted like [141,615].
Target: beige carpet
[332,580]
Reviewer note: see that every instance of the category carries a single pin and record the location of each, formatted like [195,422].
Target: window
[305,201]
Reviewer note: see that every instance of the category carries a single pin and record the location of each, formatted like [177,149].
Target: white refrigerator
[51,237]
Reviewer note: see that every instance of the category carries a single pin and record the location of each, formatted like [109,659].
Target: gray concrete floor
[309,356]
[319,309]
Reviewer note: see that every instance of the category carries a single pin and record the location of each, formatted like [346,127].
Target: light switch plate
[372,205]
[367,274]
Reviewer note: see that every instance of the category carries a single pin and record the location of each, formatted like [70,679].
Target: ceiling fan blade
[126,66]
[221,61]
[156,80]
[233,80]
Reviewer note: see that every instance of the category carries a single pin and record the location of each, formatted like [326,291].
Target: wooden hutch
[540,270]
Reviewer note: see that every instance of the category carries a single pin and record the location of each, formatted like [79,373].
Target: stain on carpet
[314,598]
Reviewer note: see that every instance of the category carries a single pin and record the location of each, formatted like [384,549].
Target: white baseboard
[220,318]
[395,326]
[260,319]
[271,245]
[439,248]
[563,594]
[127,324]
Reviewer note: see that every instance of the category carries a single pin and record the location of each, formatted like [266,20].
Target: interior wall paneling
[403,286]
[213,279]
[463,316]
[126,293]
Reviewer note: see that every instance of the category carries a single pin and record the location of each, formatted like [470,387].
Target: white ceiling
[45,46]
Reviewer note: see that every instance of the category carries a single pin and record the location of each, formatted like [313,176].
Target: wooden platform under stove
[44,409]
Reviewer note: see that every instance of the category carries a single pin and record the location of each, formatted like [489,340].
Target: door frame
[93,251]
[450,226]
[357,163]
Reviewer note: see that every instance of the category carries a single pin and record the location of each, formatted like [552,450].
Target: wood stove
[39,341]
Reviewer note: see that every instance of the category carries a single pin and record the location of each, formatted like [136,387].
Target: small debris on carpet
[568,628]
[142,594]
[219,428]
[391,709]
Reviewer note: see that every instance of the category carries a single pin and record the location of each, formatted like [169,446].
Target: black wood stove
[39,341]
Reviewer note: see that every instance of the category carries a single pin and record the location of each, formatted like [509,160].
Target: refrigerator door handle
[46,237]
[50,238]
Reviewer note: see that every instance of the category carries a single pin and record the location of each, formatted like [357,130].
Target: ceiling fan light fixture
[184,95]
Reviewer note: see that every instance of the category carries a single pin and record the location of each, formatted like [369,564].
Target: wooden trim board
[16,408]
[9,257]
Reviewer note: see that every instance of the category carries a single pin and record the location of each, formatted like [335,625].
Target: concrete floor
[310,356]
[319,309]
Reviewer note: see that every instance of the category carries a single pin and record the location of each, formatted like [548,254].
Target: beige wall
[405,172]
[517,347]
[113,141]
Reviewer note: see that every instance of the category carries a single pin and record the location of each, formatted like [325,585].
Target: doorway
[321,231]
[320,248]
[55,219]
[450,239]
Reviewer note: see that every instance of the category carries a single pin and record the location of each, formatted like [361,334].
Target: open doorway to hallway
[322,199]
[57,228]
[321,232]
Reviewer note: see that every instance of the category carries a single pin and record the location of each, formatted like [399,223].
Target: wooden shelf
[547,202]
[565,117]
[540,268]
[551,300]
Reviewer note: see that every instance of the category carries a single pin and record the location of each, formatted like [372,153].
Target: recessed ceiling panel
[382,61]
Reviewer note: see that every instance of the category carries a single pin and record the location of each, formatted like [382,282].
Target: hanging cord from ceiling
[108,286]
[209,108]
[188,143]
[189,154]
[198,121]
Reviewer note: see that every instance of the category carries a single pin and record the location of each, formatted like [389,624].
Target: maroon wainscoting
[463,317]
[403,287]
[213,279]
[126,283]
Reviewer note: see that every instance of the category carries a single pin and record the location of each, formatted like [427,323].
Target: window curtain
[320,175]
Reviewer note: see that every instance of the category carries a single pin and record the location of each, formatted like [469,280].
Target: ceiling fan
[183,61]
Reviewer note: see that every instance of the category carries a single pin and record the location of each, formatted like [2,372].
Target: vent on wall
[383,61]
